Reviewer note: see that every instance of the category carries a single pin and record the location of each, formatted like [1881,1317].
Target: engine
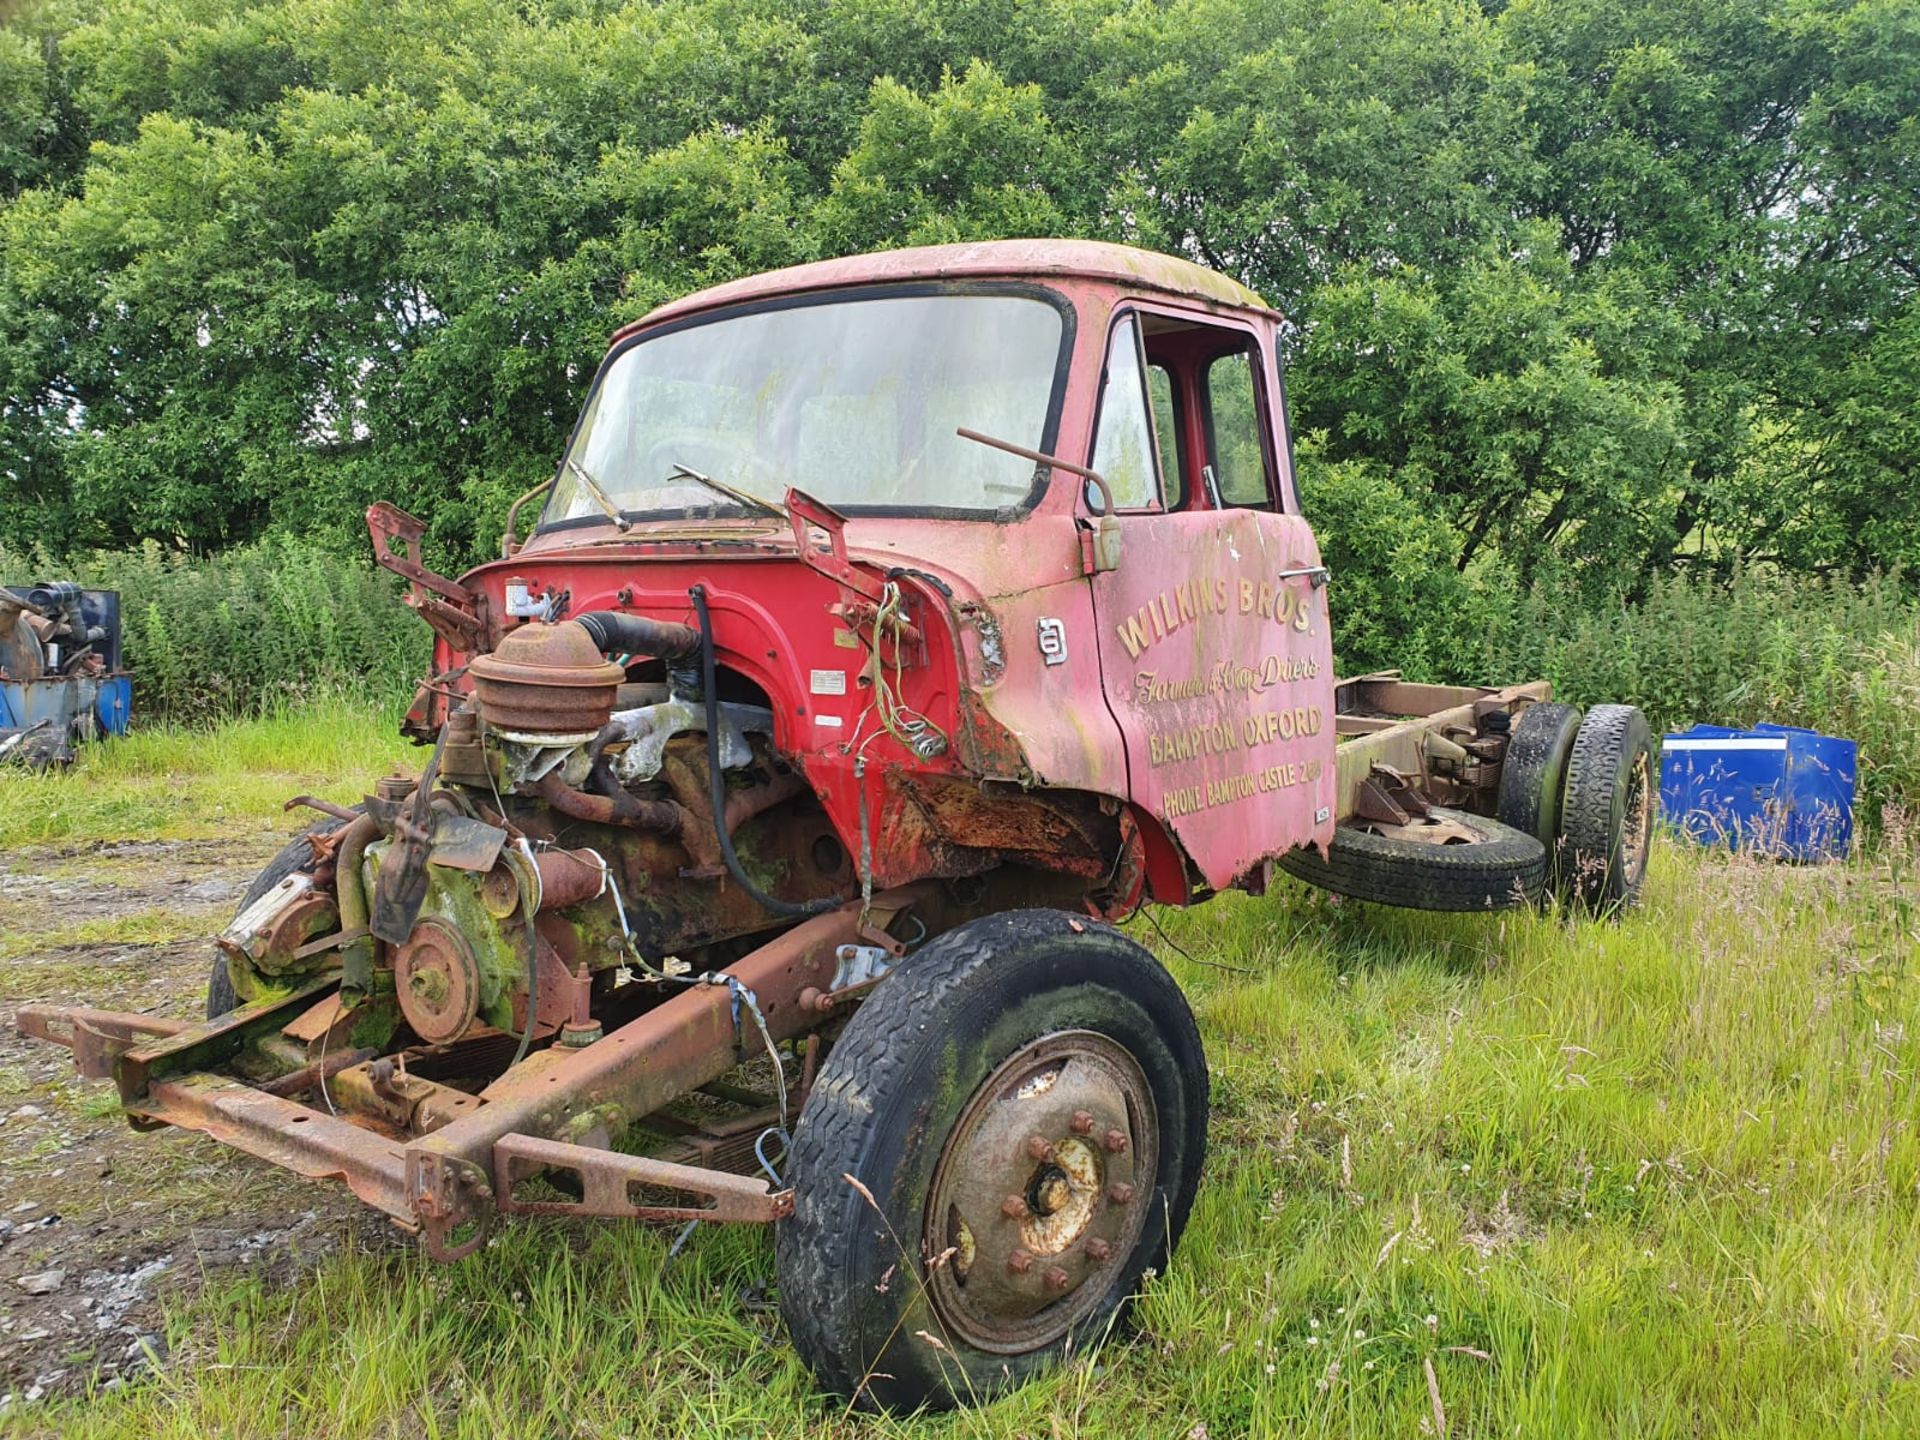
[574,834]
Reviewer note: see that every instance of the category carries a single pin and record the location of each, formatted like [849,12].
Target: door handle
[1318,574]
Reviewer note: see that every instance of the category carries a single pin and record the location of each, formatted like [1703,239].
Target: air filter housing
[546,681]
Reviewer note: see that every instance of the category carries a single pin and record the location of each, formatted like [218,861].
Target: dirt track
[97,1222]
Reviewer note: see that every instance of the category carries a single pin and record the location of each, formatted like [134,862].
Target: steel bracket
[608,1178]
[97,1038]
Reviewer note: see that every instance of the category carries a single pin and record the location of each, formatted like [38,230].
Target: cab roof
[987,259]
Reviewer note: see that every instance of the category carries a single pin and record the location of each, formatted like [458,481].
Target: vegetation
[248,630]
[1832,656]
[1654,1177]
[1581,288]
[189,781]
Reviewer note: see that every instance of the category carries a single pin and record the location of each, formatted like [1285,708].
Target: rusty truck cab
[1129,675]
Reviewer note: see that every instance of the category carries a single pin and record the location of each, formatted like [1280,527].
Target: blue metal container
[1775,789]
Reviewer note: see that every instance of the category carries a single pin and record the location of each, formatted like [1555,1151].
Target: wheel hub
[1040,1193]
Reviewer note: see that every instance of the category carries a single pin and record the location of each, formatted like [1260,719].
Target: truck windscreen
[854,400]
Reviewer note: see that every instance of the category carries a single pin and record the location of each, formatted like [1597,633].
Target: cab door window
[1166,430]
[1234,433]
[1124,450]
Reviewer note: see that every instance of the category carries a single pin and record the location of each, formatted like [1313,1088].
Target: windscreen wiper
[599,496]
[720,487]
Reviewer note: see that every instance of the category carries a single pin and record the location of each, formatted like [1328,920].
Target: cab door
[1215,653]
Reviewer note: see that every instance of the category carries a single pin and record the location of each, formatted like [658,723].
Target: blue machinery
[61,681]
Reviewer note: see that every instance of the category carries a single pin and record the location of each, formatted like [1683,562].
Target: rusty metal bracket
[449,1196]
[97,1038]
[1387,797]
[449,607]
[306,1141]
[608,1178]
[803,511]
[212,1042]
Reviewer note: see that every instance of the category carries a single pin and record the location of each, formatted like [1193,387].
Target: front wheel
[1006,1138]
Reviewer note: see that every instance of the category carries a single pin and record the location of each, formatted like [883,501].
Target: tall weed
[1832,655]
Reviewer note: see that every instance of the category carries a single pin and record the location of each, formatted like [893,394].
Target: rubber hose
[717,779]
[617,633]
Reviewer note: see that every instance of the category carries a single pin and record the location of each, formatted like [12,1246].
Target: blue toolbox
[1775,789]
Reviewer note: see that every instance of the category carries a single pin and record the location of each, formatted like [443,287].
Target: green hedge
[254,628]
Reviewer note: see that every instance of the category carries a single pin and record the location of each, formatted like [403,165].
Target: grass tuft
[197,781]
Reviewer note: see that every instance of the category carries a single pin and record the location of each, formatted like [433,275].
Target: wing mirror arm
[1100,535]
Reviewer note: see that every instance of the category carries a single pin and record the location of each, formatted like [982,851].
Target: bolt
[1019,1262]
[1013,1207]
[1116,1141]
[1082,1122]
[1120,1193]
[1099,1251]
[1039,1147]
[1058,1279]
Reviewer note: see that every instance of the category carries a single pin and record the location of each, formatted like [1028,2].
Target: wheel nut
[1120,1193]
[1058,1279]
[1099,1251]
[1116,1140]
[1082,1122]
[1019,1262]
[1039,1147]
[1013,1207]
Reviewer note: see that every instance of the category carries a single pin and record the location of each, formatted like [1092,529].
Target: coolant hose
[350,895]
[717,780]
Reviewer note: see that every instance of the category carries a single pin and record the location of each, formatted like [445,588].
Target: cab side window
[1234,431]
[1166,429]
[1124,450]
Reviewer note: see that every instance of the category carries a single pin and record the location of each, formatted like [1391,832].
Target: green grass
[1652,1178]
[177,782]
[149,927]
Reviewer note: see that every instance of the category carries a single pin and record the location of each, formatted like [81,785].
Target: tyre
[296,855]
[1606,822]
[1499,867]
[1003,1142]
[1533,778]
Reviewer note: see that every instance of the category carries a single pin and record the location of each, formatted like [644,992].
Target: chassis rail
[554,1112]
[1386,724]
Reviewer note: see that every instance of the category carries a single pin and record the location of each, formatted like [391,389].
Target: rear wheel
[1452,860]
[1533,777]
[1607,818]
[1005,1139]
